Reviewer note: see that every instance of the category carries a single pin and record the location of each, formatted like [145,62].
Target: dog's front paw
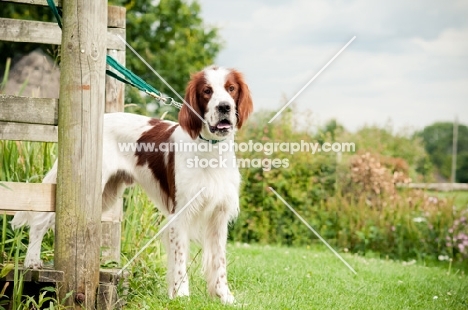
[222,291]
[227,299]
[33,263]
[179,290]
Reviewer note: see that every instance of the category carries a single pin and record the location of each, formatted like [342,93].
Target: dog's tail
[23,218]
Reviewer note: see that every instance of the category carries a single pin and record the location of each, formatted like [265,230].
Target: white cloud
[407,64]
[450,43]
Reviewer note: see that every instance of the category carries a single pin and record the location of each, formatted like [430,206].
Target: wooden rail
[27,132]
[115,14]
[34,2]
[27,196]
[14,30]
[442,187]
[41,275]
[28,119]
[28,110]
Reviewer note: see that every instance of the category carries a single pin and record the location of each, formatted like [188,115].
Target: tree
[330,130]
[171,37]
[438,139]
[169,34]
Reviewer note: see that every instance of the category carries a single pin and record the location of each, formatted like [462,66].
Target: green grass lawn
[270,277]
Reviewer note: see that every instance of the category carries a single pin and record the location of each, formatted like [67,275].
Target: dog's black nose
[224,107]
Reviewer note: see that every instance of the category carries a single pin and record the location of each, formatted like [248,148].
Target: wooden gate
[90,28]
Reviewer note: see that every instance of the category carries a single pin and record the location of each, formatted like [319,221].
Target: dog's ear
[188,119]
[244,102]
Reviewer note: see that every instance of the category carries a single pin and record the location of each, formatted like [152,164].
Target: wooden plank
[109,280]
[111,225]
[115,90]
[78,209]
[15,30]
[443,187]
[115,14]
[27,197]
[107,297]
[34,2]
[113,42]
[28,132]
[40,275]
[28,110]
[110,276]
[110,242]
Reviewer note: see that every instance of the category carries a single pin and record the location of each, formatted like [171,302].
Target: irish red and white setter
[222,102]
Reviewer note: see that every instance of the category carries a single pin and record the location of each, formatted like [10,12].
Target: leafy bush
[308,180]
[351,200]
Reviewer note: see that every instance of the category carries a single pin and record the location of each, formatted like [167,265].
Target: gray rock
[35,75]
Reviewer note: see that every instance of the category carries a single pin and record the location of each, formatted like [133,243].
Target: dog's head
[221,98]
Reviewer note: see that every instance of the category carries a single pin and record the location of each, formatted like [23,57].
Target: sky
[407,67]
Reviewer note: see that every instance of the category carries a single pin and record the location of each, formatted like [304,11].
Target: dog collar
[211,141]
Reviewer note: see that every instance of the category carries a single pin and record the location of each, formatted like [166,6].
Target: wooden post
[115,90]
[112,218]
[115,94]
[78,197]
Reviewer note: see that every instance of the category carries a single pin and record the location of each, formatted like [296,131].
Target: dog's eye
[231,88]
[207,91]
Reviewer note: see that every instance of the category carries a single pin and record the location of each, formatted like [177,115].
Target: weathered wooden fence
[74,120]
[441,187]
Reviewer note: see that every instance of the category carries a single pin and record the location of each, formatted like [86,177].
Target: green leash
[126,76]
[134,80]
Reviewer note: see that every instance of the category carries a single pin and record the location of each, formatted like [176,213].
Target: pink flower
[462,236]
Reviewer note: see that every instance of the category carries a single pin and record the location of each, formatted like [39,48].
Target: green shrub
[308,180]
[361,212]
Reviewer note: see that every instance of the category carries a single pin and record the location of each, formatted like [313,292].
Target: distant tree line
[438,142]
